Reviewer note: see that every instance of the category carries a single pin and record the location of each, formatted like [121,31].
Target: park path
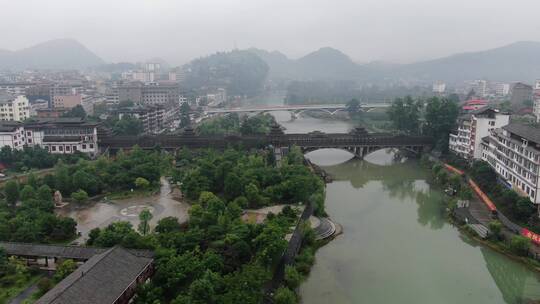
[25,294]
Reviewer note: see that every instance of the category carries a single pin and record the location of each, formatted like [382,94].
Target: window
[29,140]
[53,148]
[84,147]
[91,146]
[60,148]
[68,148]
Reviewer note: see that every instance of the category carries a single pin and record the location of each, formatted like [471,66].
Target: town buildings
[14,107]
[472,127]
[514,153]
[152,117]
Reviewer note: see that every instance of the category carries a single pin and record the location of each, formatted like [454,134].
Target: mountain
[53,54]
[324,64]
[517,61]
[239,72]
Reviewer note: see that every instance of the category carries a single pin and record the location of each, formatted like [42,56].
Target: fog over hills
[53,54]
[515,62]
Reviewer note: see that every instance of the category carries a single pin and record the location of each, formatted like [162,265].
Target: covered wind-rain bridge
[358,142]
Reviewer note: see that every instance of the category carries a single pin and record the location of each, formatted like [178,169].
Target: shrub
[284,295]
[520,245]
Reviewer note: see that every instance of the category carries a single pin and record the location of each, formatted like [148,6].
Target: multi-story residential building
[472,127]
[502,89]
[536,100]
[514,153]
[439,87]
[14,107]
[12,134]
[65,96]
[480,88]
[521,92]
[66,101]
[149,94]
[152,117]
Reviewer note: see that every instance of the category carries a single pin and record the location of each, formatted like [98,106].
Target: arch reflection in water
[398,247]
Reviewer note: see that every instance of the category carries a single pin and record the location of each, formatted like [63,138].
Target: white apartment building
[472,127]
[502,89]
[536,100]
[439,87]
[480,88]
[13,107]
[514,152]
[12,135]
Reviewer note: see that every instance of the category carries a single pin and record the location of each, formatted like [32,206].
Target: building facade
[14,107]
[514,153]
[58,136]
[12,135]
[536,100]
[521,92]
[466,140]
[152,117]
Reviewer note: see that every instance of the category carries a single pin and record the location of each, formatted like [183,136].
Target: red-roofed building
[474,104]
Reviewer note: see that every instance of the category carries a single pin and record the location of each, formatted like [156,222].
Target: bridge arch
[361,152]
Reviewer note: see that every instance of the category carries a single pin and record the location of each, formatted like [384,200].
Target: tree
[44,193]
[353,107]
[284,295]
[79,196]
[145,216]
[496,228]
[76,111]
[440,118]
[142,183]
[44,285]
[167,224]
[64,269]
[11,191]
[405,115]
[27,193]
[232,186]
[128,125]
[292,277]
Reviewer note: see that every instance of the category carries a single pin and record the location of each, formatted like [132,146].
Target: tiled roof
[102,279]
[530,133]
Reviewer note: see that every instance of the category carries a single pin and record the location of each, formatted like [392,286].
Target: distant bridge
[297,110]
[358,142]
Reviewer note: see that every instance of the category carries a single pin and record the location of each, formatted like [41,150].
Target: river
[397,246]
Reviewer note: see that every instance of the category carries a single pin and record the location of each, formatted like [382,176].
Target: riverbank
[502,240]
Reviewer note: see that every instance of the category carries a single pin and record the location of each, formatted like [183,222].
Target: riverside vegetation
[216,257]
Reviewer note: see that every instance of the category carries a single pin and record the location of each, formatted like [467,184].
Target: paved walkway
[25,294]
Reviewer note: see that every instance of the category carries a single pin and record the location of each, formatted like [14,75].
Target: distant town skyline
[177,31]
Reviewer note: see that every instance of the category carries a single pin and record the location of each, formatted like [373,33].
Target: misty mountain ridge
[60,54]
[514,62]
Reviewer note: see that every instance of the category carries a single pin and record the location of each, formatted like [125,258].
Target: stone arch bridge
[358,142]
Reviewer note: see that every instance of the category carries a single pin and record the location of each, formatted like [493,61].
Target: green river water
[397,246]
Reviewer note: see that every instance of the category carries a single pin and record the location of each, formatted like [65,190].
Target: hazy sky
[179,30]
